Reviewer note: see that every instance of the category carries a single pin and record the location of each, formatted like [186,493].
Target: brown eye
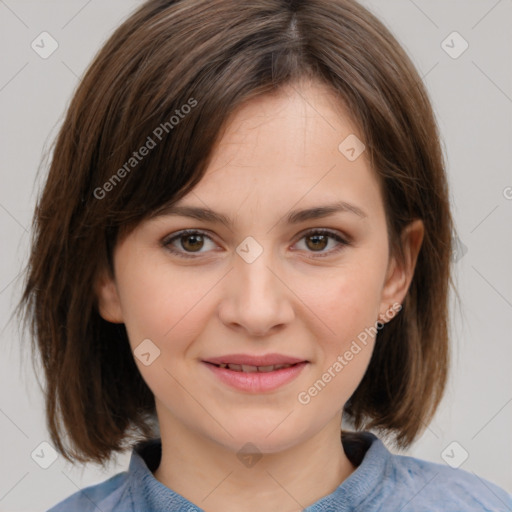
[191,242]
[318,242]
[186,243]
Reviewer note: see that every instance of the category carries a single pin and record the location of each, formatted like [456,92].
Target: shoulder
[387,482]
[421,485]
[112,494]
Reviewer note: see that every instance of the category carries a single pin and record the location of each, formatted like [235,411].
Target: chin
[265,439]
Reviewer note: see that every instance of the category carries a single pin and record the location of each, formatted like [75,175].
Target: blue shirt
[382,482]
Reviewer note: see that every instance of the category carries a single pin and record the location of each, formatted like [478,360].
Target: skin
[279,153]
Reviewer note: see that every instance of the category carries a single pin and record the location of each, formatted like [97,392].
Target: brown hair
[214,55]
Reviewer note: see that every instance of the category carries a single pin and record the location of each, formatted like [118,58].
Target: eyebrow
[293,217]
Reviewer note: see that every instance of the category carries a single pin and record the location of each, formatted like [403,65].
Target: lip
[257,382]
[247,359]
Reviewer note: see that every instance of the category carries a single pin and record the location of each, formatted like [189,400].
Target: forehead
[287,147]
[293,124]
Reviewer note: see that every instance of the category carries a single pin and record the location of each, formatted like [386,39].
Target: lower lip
[257,382]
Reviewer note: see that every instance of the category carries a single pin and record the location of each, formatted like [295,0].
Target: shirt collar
[363,449]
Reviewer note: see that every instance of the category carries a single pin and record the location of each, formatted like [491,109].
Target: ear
[400,273]
[109,305]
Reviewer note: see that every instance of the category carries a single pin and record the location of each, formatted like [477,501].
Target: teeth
[264,369]
[252,369]
[272,368]
[249,369]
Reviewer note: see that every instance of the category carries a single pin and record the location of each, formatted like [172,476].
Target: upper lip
[246,359]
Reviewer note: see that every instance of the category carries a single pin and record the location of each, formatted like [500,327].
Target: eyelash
[187,232]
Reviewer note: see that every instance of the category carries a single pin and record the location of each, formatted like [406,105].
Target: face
[271,280]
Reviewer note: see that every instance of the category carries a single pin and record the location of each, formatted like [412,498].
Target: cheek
[169,309]
[344,320]
[161,305]
[345,309]
[348,299]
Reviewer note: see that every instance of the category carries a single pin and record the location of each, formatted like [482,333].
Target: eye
[318,239]
[187,242]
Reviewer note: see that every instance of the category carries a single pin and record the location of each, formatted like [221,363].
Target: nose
[256,298]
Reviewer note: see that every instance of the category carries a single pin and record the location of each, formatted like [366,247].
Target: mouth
[249,361]
[255,374]
[252,369]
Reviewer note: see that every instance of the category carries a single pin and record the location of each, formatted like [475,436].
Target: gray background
[472,97]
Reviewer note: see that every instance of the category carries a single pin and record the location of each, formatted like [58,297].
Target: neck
[218,479]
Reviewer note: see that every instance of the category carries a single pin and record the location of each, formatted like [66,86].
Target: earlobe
[109,305]
[400,272]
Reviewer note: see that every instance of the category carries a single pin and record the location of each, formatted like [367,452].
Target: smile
[255,379]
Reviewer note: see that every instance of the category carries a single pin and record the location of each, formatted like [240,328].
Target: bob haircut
[168,79]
